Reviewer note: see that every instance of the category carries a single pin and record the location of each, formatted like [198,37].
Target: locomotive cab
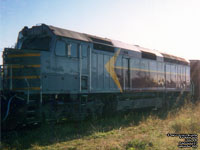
[22,65]
[43,61]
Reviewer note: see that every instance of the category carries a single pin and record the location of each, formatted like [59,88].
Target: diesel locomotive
[54,73]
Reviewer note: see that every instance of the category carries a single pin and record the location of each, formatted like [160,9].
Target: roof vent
[148,55]
[100,41]
[103,47]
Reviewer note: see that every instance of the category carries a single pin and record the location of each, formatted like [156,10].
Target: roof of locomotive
[70,34]
[95,39]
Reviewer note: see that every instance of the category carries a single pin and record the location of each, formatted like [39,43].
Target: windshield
[38,43]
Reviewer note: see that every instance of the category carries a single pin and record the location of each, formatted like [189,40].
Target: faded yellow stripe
[23,55]
[24,66]
[25,77]
[26,88]
[137,69]
[144,70]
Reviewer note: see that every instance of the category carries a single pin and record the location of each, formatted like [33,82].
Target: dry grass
[132,131]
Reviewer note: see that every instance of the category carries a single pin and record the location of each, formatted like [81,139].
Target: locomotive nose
[21,69]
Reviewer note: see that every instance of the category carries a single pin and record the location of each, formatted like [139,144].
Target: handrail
[41,94]
[8,107]
[28,89]
[1,77]
[11,77]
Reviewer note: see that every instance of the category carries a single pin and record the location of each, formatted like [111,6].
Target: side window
[61,48]
[74,50]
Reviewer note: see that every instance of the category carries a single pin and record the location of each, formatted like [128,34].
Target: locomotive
[54,73]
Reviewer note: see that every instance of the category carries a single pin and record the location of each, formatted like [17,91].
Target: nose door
[22,70]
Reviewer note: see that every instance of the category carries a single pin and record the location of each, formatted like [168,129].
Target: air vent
[103,47]
[100,41]
[148,55]
[174,59]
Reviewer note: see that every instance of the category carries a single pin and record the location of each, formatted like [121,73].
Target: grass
[141,130]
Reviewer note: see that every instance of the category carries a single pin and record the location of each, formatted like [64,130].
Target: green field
[139,130]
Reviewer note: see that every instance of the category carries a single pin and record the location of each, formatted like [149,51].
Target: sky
[171,26]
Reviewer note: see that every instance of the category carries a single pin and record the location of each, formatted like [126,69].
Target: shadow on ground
[48,134]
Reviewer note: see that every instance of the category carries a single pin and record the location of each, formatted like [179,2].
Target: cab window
[61,48]
[36,43]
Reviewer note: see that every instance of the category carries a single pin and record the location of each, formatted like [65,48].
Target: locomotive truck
[54,73]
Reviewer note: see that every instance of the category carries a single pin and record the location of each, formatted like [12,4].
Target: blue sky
[171,26]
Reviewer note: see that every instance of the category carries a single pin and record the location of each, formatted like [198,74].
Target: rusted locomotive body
[54,73]
[195,77]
